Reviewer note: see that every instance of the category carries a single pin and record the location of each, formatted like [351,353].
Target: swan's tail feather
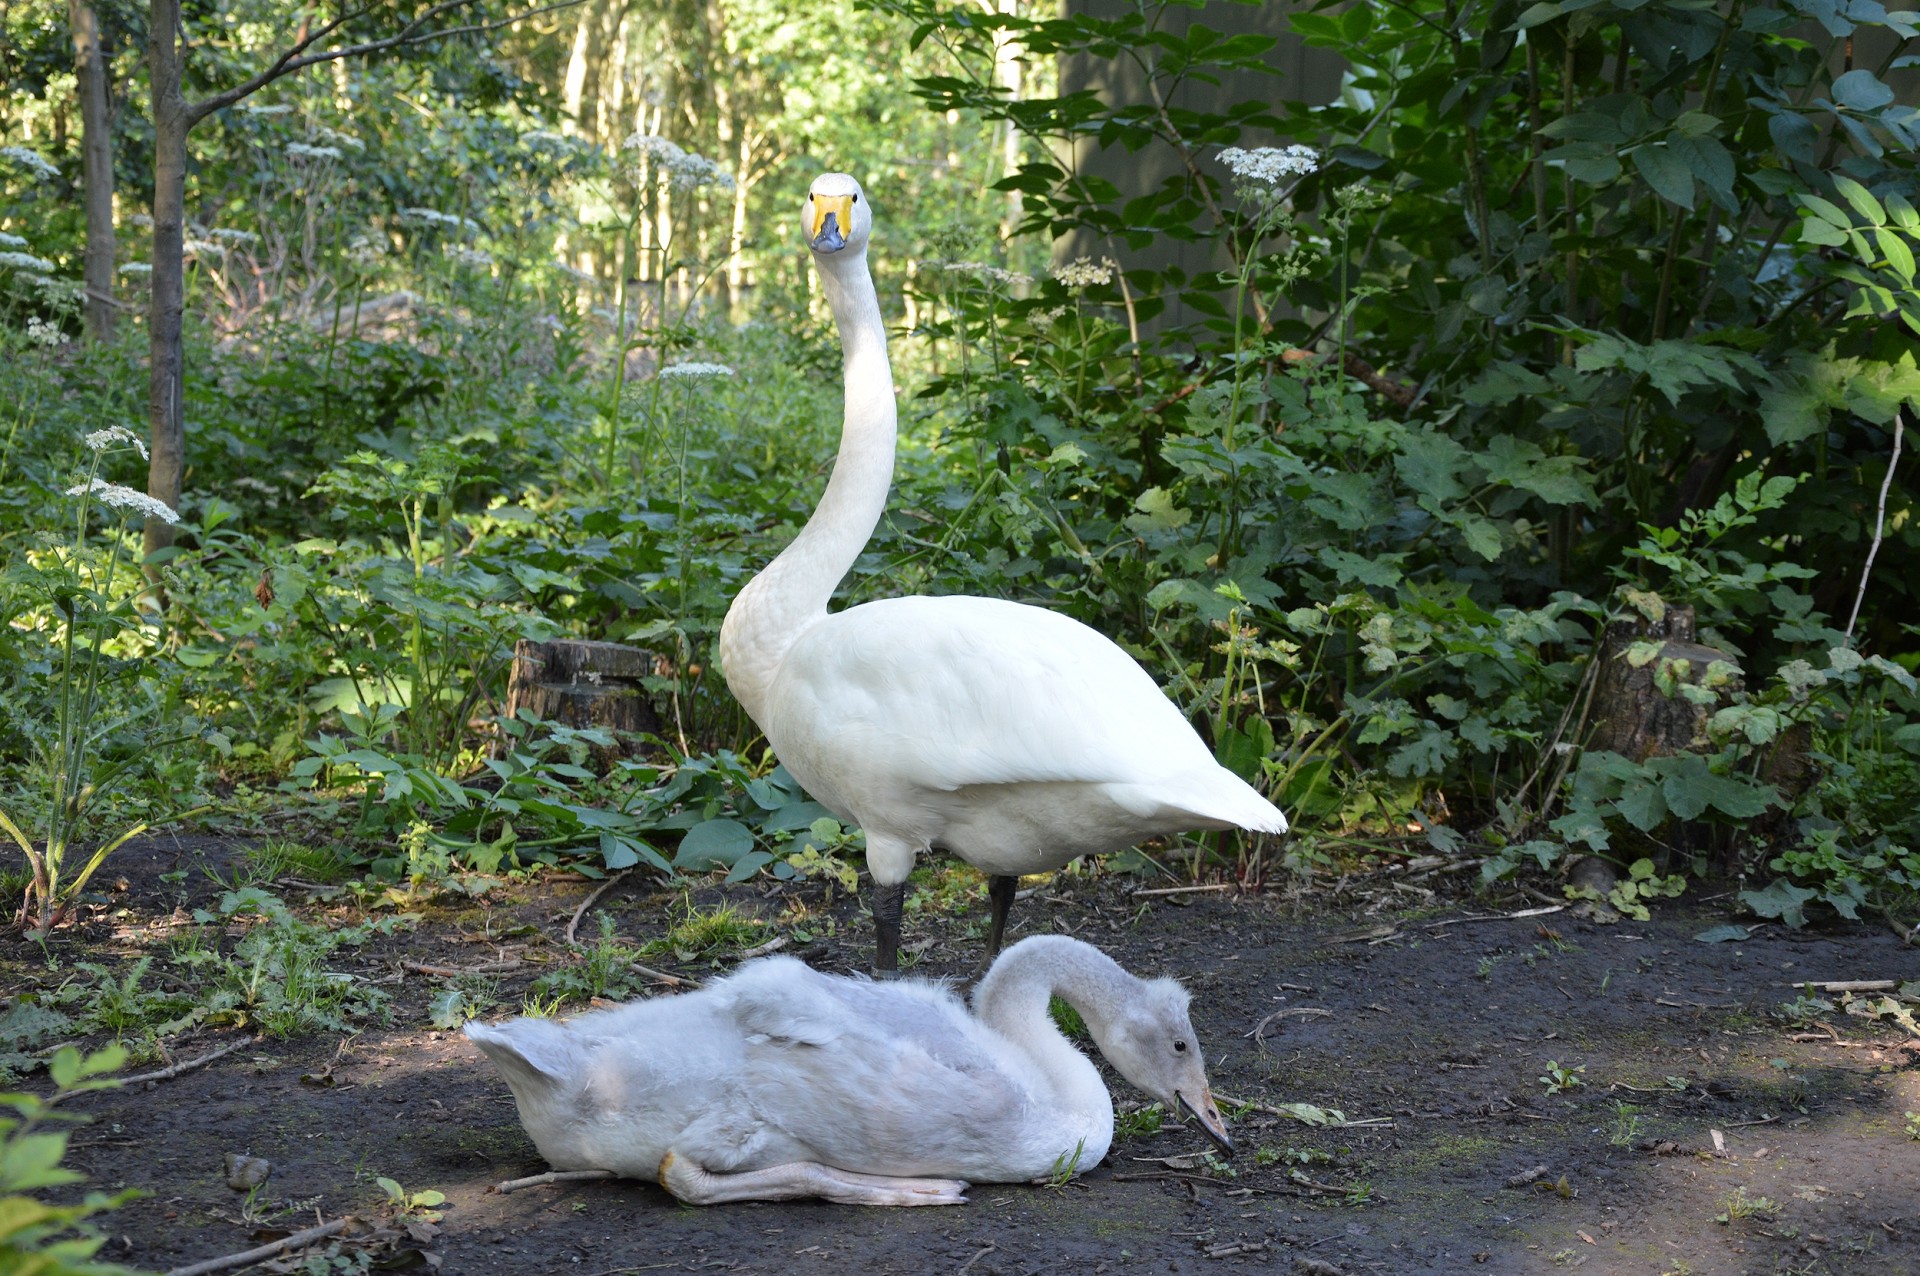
[1213,798]
[534,1055]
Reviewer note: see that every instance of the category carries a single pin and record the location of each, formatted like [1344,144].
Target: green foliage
[38,1238]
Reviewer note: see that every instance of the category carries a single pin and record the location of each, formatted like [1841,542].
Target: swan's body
[780,1081]
[1012,736]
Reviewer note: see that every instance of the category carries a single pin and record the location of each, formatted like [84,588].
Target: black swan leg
[887,904]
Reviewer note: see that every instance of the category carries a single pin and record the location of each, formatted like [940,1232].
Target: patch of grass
[1140,1123]
[1738,1205]
[605,970]
[706,933]
[1067,1019]
[1625,1128]
[278,857]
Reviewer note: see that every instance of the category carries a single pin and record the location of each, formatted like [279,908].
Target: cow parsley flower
[986,271]
[11,241]
[119,497]
[42,333]
[334,137]
[696,370]
[433,217]
[686,170]
[1086,273]
[475,257]
[227,235]
[101,440]
[256,108]
[307,151]
[25,261]
[32,161]
[137,268]
[203,248]
[1268,166]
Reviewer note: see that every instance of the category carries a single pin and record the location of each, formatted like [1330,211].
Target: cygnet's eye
[1179,1047]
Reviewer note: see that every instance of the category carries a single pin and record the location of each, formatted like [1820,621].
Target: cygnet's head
[836,216]
[1151,1042]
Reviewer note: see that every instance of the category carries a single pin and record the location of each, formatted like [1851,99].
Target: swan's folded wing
[957,691]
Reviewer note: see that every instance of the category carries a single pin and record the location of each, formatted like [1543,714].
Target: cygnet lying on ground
[781,1082]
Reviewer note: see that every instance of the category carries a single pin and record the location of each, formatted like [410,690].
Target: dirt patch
[1697,1131]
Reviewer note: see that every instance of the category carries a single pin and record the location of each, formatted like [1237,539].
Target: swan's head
[1152,1043]
[836,216]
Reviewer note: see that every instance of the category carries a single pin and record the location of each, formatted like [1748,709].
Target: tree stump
[579,683]
[1633,715]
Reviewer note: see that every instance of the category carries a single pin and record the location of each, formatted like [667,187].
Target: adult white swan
[1011,736]
[782,1082]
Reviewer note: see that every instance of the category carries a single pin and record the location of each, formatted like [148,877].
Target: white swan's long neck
[792,593]
[1012,1000]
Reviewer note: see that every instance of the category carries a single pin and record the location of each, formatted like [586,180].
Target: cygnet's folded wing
[881,1078]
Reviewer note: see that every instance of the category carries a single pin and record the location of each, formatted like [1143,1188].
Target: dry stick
[1187,890]
[1846,985]
[252,1256]
[165,1074]
[1879,522]
[662,977]
[541,1180]
[484,968]
[978,1255]
[1499,917]
[587,903]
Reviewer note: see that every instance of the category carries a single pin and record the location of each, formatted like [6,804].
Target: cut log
[1633,715]
[579,683]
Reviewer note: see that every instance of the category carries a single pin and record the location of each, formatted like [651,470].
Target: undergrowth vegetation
[1367,494]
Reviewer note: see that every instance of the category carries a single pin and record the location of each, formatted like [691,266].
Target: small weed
[605,970]
[1066,1166]
[1561,1078]
[1739,1205]
[421,1204]
[1805,1010]
[1485,970]
[278,858]
[1624,1129]
[1265,1156]
[1358,1194]
[1140,1123]
[1913,1125]
[1218,1166]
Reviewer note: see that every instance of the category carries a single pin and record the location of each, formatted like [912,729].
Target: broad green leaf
[1783,900]
[1666,173]
[1899,255]
[1861,90]
[717,843]
[1795,135]
[1861,198]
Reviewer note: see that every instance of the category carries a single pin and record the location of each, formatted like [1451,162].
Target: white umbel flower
[687,170]
[11,241]
[32,161]
[43,333]
[124,498]
[308,151]
[1086,272]
[25,261]
[101,440]
[985,270]
[696,370]
[1270,165]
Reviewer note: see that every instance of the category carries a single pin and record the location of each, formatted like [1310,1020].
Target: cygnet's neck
[1012,1000]
[793,591]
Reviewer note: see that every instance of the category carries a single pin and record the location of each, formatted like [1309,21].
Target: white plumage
[1009,735]
[782,1082]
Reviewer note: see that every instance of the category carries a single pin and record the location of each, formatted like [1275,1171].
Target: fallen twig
[773,945]
[977,1256]
[1500,917]
[247,1258]
[587,903]
[662,977]
[167,1074]
[450,972]
[1846,985]
[1291,1012]
[541,1180]
[1185,890]
[1196,1178]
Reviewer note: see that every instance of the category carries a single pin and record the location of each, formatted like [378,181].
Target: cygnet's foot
[698,1186]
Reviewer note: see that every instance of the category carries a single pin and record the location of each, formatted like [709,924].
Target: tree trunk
[166,362]
[96,155]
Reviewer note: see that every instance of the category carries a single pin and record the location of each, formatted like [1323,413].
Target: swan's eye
[1179,1047]
[856,199]
[809,197]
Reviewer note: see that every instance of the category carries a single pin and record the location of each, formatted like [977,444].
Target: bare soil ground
[1707,1134]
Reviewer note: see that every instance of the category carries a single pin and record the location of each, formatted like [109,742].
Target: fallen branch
[587,903]
[662,977]
[1186,890]
[540,1180]
[249,1257]
[167,1074]
[979,1254]
[450,972]
[1846,985]
[773,945]
[1500,917]
[1292,1012]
